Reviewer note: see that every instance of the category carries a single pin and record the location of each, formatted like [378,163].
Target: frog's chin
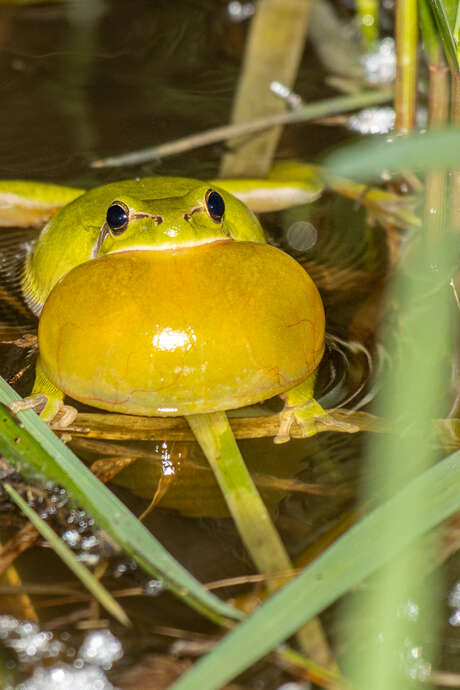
[166,246]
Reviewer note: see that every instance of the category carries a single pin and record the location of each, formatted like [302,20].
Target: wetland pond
[82,80]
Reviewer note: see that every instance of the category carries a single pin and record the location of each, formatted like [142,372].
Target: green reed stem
[438,115]
[368,17]
[406,65]
[436,180]
[455,180]
[429,30]
[253,521]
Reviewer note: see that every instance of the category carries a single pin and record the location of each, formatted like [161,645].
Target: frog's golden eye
[117,217]
[215,205]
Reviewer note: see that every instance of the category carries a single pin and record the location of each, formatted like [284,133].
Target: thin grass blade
[67,555]
[341,567]
[28,443]
[418,152]
[445,31]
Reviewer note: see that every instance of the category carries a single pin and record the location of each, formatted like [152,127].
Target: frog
[161,296]
[152,221]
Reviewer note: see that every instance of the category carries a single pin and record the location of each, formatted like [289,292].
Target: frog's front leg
[300,406]
[46,400]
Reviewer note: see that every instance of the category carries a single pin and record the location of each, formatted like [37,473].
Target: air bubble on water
[90,559]
[240,11]
[71,537]
[380,64]
[454,601]
[372,120]
[63,677]
[27,641]
[102,648]
[153,587]
[301,235]
[89,542]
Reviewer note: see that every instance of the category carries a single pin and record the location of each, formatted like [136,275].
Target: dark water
[82,80]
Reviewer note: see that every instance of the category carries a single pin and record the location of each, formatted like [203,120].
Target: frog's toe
[64,417]
[286,421]
[36,402]
[51,410]
[306,414]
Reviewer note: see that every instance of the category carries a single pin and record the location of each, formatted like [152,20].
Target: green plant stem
[255,526]
[314,111]
[252,519]
[274,48]
[406,65]
[455,188]
[435,194]
[368,16]
[347,562]
[430,34]
[91,583]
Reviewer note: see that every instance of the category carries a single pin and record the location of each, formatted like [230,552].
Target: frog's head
[194,218]
[151,213]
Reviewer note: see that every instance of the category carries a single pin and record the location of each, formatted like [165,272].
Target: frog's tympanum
[160,296]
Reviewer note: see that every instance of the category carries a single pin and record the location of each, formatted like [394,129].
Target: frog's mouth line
[159,247]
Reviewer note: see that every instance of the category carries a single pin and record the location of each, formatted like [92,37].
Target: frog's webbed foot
[51,410]
[64,417]
[305,414]
[46,400]
[301,407]
[36,402]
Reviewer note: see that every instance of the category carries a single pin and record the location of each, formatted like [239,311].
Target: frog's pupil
[116,217]
[216,205]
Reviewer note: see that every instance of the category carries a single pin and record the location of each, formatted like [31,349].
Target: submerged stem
[255,526]
[254,523]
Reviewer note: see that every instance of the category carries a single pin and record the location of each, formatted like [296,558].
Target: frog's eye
[215,205]
[117,217]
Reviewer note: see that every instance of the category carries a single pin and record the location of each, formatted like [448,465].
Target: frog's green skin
[164,213]
[171,219]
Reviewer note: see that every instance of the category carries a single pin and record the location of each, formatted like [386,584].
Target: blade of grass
[457,30]
[447,37]
[28,443]
[341,567]
[251,516]
[419,152]
[67,555]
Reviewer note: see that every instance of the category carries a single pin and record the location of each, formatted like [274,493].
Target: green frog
[160,296]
